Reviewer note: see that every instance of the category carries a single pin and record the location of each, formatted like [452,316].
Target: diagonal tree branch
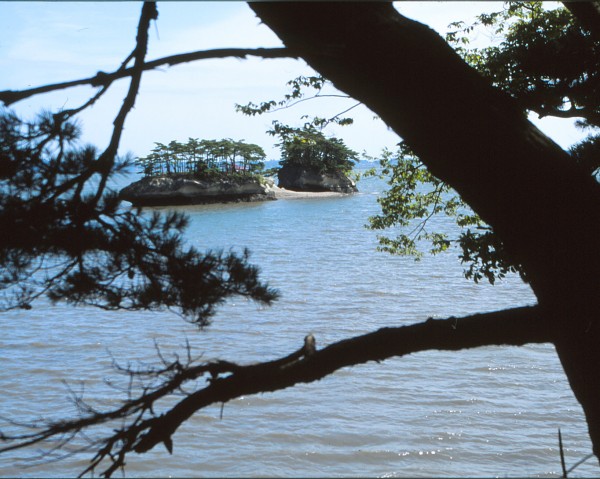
[8,97]
[484,146]
[587,13]
[142,429]
[508,327]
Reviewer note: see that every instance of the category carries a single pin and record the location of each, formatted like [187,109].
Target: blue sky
[47,42]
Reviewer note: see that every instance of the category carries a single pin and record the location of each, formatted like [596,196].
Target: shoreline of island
[179,190]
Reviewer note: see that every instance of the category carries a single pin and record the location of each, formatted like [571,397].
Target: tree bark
[475,138]
[587,14]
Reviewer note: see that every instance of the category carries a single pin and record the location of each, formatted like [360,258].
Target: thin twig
[562,455]
[580,462]
[302,100]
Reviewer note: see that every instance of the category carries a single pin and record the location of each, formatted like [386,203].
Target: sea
[484,412]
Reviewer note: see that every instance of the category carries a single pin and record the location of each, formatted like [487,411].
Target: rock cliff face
[167,191]
[297,178]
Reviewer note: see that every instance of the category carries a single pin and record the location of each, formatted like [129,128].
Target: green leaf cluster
[414,194]
[414,197]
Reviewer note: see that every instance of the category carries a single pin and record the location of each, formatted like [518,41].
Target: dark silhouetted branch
[143,429]
[107,158]
[587,13]
[102,79]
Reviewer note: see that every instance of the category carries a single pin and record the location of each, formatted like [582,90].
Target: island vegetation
[204,159]
[310,160]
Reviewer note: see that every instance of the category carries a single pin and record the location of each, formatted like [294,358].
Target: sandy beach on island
[283,194]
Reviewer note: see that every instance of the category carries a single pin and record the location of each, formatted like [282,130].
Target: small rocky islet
[182,189]
[224,171]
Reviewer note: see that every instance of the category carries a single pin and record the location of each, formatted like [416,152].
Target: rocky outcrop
[167,191]
[298,178]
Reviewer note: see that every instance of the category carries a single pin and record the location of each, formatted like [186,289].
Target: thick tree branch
[478,140]
[8,97]
[587,13]
[408,75]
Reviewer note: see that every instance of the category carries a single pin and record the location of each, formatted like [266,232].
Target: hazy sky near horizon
[48,42]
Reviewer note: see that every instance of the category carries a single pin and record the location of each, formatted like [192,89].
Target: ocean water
[491,411]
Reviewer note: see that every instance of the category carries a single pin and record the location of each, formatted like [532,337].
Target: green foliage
[551,66]
[71,241]
[414,197]
[270,171]
[486,256]
[309,148]
[203,158]
[546,59]
[414,194]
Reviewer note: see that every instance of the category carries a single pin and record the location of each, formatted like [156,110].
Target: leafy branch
[547,61]
[414,198]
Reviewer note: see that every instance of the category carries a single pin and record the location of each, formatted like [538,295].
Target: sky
[48,42]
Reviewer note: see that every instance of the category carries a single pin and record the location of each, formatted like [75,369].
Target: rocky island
[198,172]
[299,178]
[177,190]
[312,162]
[223,171]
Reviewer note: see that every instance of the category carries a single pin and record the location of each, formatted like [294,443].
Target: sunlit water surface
[491,411]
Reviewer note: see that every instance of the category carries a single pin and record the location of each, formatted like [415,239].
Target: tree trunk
[587,14]
[476,139]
